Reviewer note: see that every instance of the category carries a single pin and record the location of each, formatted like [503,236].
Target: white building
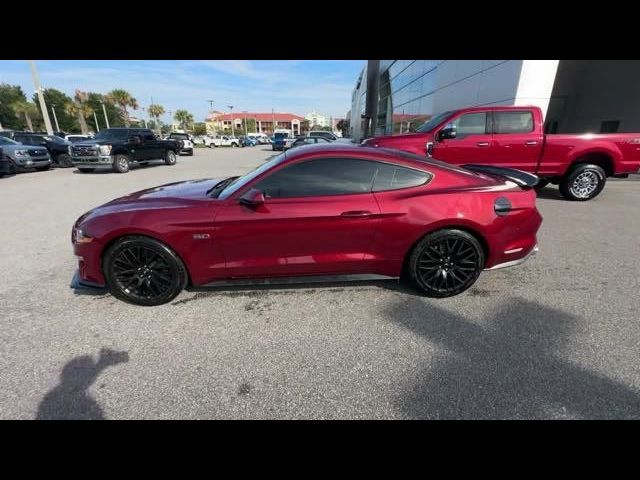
[315,118]
[392,96]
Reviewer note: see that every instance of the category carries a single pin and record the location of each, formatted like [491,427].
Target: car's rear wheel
[64,160]
[583,182]
[143,271]
[121,164]
[446,262]
[170,157]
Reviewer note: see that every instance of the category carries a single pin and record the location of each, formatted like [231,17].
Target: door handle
[356,214]
[531,142]
[482,144]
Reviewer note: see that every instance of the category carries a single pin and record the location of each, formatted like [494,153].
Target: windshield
[179,136]
[7,141]
[112,134]
[240,182]
[431,124]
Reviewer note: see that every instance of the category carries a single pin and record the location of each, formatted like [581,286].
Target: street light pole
[233,132]
[95,119]
[104,110]
[55,118]
[245,123]
[43,105]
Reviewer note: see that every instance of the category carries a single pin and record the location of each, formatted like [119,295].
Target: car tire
[446,263]
[583,182]
[121,164]
[234,145]
[64,160]
[86,170]
[190,153]
[143,271]
[170,157]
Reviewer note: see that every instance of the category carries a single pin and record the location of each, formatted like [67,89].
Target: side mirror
[449,131]
[253,197]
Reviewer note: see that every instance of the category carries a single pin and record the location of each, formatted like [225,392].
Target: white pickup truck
[221,141]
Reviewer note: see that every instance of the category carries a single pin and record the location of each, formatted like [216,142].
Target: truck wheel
[234,145]
[170,158]
[583,182]
[121,164]
[64,160]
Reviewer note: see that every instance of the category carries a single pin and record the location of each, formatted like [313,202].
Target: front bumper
[518,261]
[33,162]
[85,286]
[187,150]
[105,161]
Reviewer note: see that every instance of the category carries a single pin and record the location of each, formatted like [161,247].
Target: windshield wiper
[221,185]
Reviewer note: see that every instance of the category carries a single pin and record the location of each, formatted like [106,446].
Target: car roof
[376,152]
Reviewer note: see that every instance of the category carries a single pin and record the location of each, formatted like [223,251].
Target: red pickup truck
[513,137]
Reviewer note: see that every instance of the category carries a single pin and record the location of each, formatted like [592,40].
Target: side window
[149,137]
[512,122]
[471,124]
[327,176]
[393,177]
[309,140]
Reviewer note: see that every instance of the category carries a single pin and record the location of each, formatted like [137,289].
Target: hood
[187,190]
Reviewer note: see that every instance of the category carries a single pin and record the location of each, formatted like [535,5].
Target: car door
[472,143]
[153,148]
[318,217]
[516,144]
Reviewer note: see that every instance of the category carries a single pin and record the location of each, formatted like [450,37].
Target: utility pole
[95,119]
[104,110]
[233,132]
[273,122]
[55,118]
[245,122]
[211,105]
[43,105]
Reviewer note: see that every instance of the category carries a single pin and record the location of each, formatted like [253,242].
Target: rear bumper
[513,263]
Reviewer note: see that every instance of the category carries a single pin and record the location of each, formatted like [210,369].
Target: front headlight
[70,150]
[21,153]
[79,236]
[105,149]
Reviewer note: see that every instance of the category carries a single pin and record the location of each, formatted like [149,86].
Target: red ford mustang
[334,209]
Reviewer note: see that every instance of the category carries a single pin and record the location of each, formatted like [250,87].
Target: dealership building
[576,96]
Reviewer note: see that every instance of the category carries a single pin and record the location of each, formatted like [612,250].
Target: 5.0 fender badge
[201,236]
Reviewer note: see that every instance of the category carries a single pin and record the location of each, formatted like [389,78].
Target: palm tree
[82,111]
[123,99]
[156,111]
[184,118]
[26,109]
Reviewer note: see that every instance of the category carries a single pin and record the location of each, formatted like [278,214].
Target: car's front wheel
[583,182]
[170,157]
[121,164]
[64,160]
[143,271]
[446,262]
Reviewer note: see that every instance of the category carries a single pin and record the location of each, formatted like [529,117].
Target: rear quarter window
[394,177]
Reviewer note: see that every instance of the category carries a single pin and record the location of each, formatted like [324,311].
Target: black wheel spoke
[142,273]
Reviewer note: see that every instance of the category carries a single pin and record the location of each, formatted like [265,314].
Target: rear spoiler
[520,178]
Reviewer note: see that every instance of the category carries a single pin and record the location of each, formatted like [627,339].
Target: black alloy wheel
[446,263]
[143,271]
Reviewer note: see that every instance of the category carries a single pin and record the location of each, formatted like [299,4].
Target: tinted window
[512,122]
[149,137]
[471,124]
[393,177]
[7,141]
[327,176]
[22,139]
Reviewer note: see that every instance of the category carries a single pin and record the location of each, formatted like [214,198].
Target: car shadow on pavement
[70,400]
[510,365]
[551,193]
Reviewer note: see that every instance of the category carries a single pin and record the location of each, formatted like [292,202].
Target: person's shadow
[70,400]
[512,365]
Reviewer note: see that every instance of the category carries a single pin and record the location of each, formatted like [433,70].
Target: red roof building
[265,122]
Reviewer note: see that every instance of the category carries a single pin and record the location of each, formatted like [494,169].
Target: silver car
[24,157]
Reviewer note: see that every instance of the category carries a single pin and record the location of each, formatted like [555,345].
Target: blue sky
[295,86]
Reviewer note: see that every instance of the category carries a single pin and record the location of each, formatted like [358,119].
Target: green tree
[81,109]
[251,125]
[304,126]
[156,111]
[342,125]
[113,112]
[200,128]
[184,118]
[67,122]
[124,100]
[27,110]
[10,94]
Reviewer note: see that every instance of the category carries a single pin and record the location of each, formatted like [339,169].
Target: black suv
[57,147]
[120,148]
